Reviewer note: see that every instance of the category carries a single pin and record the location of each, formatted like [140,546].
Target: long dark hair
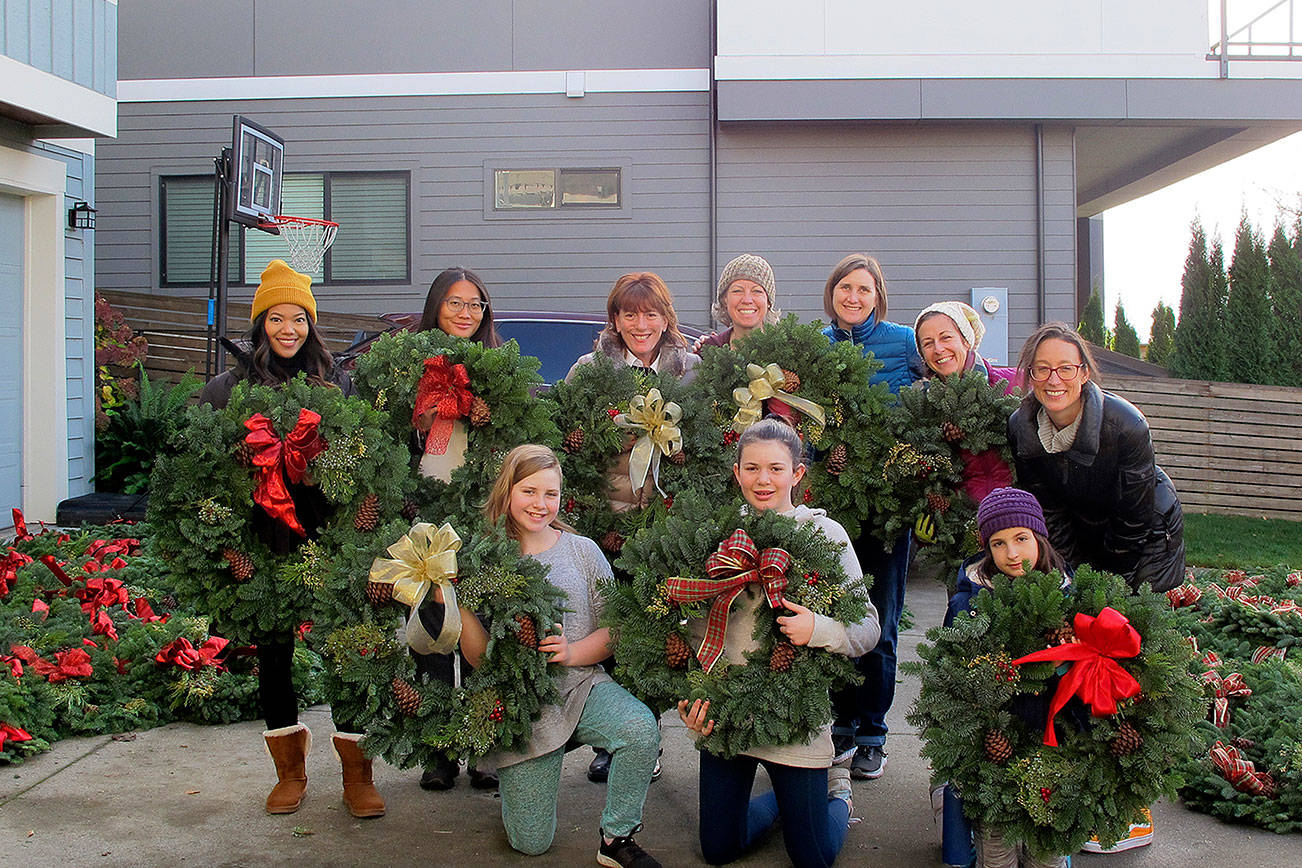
[1048,561]
[264,367]
[486,334]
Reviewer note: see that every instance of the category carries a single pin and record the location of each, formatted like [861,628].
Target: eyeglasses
[1066,373]
[455,305]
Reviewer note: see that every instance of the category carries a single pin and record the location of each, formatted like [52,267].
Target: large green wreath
[201,502]
[585,409]
[505,414]
[942,418]
[1098,777]
[780,696]
[371,679]
[852,443]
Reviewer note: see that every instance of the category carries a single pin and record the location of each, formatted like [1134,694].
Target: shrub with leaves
[137,431]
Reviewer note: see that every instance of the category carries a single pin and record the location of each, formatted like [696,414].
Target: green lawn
[1229,541]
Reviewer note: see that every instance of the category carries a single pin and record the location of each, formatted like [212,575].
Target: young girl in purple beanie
[1013,537]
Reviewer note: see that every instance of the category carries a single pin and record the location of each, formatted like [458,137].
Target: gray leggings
[612,719]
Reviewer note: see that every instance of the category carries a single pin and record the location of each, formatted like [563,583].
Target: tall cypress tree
[1250,355]
[1161,340]
[1125,339]
[1091,326]
[1199,353]
[1286,308]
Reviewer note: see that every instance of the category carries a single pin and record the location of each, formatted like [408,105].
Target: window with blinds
[372,246]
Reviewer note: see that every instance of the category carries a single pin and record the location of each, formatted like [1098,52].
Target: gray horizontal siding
[550,262]
[275,37]
[945,208]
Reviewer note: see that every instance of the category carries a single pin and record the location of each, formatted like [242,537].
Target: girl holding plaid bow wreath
[592,708]
[811,799]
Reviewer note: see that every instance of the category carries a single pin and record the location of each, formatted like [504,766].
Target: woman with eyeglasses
[1087,456]
[457,305]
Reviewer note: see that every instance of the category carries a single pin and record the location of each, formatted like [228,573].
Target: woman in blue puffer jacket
[855,302]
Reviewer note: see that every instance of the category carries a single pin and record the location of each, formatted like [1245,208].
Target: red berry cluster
[1045,792]
[812,578]
[612,412]
[730,437]
[669,502]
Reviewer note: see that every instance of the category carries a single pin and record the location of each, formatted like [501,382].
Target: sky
[1145,241]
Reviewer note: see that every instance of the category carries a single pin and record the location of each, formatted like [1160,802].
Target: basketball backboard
[258,156]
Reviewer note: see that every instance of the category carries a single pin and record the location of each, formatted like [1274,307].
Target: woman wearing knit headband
[948,334]
[746,300]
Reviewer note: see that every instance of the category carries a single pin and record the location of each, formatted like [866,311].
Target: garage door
[11,356]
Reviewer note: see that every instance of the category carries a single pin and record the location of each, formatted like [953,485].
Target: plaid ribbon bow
[1241,773]
[735,564]
[1222,689]
[1185,595]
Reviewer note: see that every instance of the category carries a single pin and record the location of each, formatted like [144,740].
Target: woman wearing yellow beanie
[281,344]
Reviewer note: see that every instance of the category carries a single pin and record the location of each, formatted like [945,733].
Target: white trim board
[412,84]
[64,101]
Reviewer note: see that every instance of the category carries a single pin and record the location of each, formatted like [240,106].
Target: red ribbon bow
[145,612]
[12,733]
[9,566]
[101,591]
[20,527]
[276,460]
[735,564]
[1185,595]
[180,652]
[1222,689]
[445,389]
[1241,773]
[73,663]
[1095,675]
[57,568]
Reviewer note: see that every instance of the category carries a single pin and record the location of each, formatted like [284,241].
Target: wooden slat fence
[1228,447]
[176,329]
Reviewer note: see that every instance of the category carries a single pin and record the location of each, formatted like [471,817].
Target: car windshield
[557,344]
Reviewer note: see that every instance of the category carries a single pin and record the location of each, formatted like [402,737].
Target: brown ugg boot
[289,747]
[360,794]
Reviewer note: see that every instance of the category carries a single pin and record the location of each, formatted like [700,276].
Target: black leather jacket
[1106,502]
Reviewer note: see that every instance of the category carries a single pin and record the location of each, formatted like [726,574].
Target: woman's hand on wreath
[798,627]
[425,420]
[556,645]
[696,716]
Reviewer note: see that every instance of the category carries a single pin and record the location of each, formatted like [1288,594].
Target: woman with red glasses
[1087,456]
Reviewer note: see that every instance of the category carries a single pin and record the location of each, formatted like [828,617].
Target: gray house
[58,80]
[554,146]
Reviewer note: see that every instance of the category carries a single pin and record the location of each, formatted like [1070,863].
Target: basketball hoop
[308,239]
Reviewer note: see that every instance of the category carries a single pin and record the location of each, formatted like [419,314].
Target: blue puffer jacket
[894,346]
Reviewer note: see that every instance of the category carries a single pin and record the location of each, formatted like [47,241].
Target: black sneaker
[842,747]
[599,768]
[869,762]
[623,852]
[442,777]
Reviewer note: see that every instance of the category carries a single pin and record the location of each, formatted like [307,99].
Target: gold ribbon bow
[659,419]
[422,559]
[764,383]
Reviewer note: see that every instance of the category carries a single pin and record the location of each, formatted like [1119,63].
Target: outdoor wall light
[81,216]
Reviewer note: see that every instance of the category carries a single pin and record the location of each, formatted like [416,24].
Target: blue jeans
[861,709]
[813,826]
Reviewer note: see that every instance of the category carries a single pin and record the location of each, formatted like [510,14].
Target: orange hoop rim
[290,220]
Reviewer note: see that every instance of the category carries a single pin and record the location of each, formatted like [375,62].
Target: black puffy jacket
[1106,502]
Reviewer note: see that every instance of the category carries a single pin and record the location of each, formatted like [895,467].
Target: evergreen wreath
[852,443]
[371,679]
[202,501]
[780,695]
[586,409]
[947,418]
[503,414]
[1104,769]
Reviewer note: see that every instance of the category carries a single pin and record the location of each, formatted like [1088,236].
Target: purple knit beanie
[1009,507]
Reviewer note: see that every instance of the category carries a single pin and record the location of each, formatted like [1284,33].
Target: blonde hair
[521,462]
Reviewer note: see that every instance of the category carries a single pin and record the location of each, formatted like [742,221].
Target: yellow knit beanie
[283,285]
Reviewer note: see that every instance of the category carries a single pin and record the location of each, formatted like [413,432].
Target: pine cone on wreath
[939,503]
[498,712]
[791,381]
[1243,743]
[406,696]
[1060,635]
[613,541]
[409,510]
[997,747]
[241,564]
[368,514]
[838,459]
[480,414]
[527,634]
[1126,741]
[951,432]
[243,454]
[168,602]
[677,652]
[679,458]
[379,593]
[783,654]
[573,441]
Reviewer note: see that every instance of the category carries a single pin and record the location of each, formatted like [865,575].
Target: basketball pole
[218,287]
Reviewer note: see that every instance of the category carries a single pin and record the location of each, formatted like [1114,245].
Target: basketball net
[307,239]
